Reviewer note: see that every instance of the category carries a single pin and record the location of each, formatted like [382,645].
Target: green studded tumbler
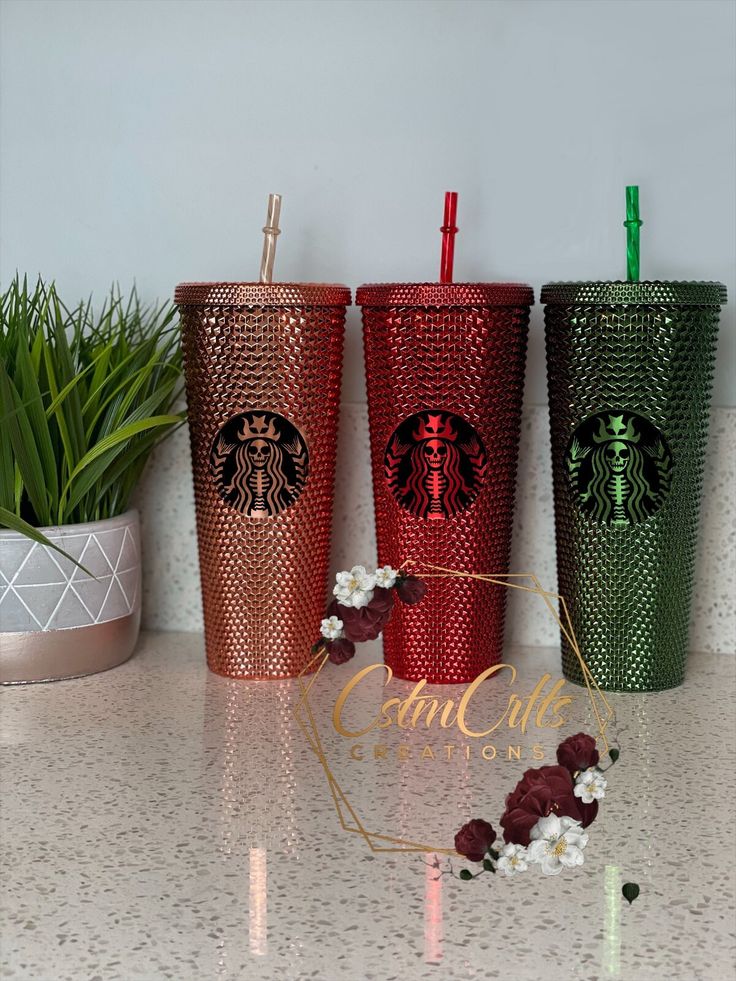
[629,369]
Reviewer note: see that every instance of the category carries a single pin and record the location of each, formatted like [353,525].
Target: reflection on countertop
[161,822]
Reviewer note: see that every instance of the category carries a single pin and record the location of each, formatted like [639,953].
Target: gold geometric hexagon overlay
[349,818]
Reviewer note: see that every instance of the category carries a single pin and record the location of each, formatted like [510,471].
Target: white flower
[590,785]
[386,577]
[513,859]
[556,843]
[331,628]
[354,588]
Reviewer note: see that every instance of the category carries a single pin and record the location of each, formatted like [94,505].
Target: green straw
[633,223]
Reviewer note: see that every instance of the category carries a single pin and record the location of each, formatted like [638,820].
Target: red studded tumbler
[445,378]
[263,364]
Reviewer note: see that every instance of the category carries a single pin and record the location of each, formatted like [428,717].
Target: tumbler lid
[657,293]
[444,295]
[262,294]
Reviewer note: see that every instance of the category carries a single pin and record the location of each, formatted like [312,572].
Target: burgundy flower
[588,812]
[367,622]
[474,839]
[382,602]
[542,791]
[410,589]
[578,753]
[340,650]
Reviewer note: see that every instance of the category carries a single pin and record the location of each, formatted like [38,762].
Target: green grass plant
[85,396]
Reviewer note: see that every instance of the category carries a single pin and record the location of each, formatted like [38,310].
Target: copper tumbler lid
[444,295]
[262,294]
[687,294]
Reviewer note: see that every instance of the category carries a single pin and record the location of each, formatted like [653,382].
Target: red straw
[449,228]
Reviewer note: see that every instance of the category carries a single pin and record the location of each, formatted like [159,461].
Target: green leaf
[488,865]
[7,467]
[614,754]
[630,891]
[111,471]
[114,439]
[14,523]
[68,458]
[465,874]
[27,376]
[65,370]
[58,399]
[20,431]
[84,399]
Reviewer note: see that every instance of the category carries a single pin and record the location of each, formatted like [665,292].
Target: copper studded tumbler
[445,376]
[263,365]
[630,367]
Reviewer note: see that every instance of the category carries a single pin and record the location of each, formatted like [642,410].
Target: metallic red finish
[449,230]
[458,351]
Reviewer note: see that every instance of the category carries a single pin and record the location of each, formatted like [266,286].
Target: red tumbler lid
[262,294]
[444,295]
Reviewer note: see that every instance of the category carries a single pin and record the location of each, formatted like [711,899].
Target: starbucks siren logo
[619,466]
[434,464]
[259,461]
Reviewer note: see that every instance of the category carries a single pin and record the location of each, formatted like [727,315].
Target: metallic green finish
[633,223]
[616,292]
[628,586]
[620,468]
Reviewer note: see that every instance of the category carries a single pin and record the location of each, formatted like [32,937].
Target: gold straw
[270,231]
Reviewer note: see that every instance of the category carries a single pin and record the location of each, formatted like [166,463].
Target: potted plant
[84,398]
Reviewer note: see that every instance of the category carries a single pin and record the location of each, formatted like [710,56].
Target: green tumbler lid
[616,293]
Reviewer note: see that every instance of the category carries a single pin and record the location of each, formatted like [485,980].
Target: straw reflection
[432,912]
[258,901]
[612,925]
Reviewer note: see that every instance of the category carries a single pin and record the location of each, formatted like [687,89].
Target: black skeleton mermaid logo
[434,464]
[259,461]
[620,467]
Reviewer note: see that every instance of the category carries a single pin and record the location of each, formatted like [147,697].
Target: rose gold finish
[270,232]
[266,294]
[52,655]
[276,348]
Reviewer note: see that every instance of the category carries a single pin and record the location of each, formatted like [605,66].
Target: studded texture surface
[629,588]
[248,294]
[264,580]
[468,360]
[620,291]
[444,294]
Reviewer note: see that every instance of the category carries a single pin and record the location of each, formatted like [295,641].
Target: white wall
[139,139]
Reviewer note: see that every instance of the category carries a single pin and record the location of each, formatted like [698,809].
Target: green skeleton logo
[619,466]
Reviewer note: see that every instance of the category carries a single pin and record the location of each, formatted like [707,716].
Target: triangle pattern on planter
[115,605]
[93,558]
[93,593]
[39,569]
[72,543]
[70,612]
[41,601]
[15,554]
[110,542]
[128,557]
[128,580]
[13,610]
[47,592]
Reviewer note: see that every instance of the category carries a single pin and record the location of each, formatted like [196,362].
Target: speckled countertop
[161,822]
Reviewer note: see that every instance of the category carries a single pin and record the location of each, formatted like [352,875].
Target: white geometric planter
[55,620]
